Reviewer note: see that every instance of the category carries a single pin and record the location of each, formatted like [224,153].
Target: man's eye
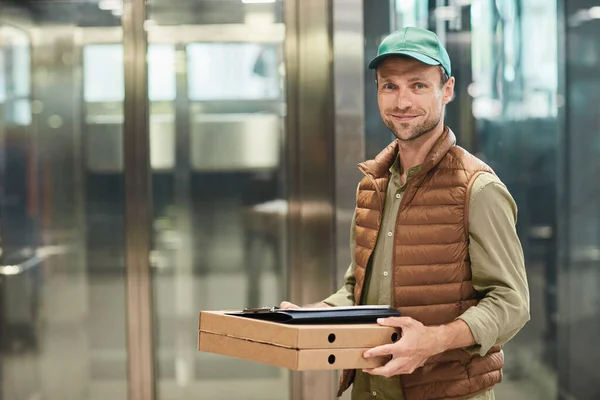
[388,86]
[420,86]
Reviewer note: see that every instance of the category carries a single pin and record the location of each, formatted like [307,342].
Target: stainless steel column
[138,201]
[325,125]
[349,90]
[311,167]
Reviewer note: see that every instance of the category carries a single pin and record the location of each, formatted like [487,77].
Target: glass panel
[219,206]
[21,67]
[232,71]
[505,61]
[580,300]
[161,72]
[3,76]
[411,13]
[62,292]
[103,78]
[21,114]
[514,89]
[162,92]
[15,86]
[103,93]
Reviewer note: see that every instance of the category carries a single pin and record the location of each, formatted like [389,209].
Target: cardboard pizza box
[297,347]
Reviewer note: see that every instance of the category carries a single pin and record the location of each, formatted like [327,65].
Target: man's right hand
[286,305]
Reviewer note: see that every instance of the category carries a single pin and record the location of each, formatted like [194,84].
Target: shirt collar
[396,170]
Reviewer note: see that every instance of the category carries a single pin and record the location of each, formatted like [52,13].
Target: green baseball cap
[419,44]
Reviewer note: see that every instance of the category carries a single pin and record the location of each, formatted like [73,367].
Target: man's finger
[389,369]
[398,322]
[287,305]
[383,350]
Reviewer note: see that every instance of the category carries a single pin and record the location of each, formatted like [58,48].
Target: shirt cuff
[340,299]
[480,329]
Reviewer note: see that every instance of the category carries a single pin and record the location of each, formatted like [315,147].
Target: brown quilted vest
[432,272]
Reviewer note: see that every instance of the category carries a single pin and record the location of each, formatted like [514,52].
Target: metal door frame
[138,204]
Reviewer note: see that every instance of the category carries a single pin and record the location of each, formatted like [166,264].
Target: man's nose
[403,100]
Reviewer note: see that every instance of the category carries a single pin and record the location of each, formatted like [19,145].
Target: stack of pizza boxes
[297,347]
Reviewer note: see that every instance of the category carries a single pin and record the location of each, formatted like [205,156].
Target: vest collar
[380,166]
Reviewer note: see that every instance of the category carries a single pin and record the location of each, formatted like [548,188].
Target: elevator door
[61,266]
[217,107]
[504,60]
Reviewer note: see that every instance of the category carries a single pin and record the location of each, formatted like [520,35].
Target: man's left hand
[417,343]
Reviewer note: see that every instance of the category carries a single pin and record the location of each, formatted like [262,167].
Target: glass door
[217,103]
[62,282]
[504,59]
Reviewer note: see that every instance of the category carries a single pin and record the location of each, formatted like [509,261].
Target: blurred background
[162,157]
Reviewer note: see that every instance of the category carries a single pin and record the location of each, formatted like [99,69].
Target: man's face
[411,97]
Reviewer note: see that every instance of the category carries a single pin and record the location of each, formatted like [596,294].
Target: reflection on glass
[103,79]
[515,77]
[18,59]
[515,81]
[484,62]
[218,197]
[411,13]
[15,80]
[232,71]
[580,276]
[2,76]
[161,72]
[21,114]
[514,63]
[162,93]
[62,302]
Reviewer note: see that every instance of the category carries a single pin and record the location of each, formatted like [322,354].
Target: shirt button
[398,195]
[390,234]
[374,393]
[385,273]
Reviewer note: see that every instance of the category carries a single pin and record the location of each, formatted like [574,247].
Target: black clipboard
[325,315]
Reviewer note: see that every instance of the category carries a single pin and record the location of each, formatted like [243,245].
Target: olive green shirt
[498,272]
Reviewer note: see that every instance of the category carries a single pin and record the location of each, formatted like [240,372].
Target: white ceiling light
[594,12]
[108,5]
[10,270]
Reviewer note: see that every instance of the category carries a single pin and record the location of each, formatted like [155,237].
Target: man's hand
[418,342]
[286,305]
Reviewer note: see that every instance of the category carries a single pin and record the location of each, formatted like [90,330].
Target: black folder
[326,315]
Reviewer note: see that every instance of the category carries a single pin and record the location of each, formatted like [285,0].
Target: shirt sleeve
[497,265]
[345,296]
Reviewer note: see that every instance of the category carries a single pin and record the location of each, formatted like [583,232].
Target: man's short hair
[444,76]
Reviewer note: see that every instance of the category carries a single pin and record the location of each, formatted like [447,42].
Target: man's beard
[415,131]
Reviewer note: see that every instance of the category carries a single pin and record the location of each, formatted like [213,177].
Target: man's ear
[448,91]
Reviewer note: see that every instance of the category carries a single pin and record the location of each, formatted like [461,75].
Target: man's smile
[403,117]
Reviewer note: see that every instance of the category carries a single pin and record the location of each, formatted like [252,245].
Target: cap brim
[418,56]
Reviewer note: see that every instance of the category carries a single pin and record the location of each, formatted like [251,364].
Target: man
[434,236]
